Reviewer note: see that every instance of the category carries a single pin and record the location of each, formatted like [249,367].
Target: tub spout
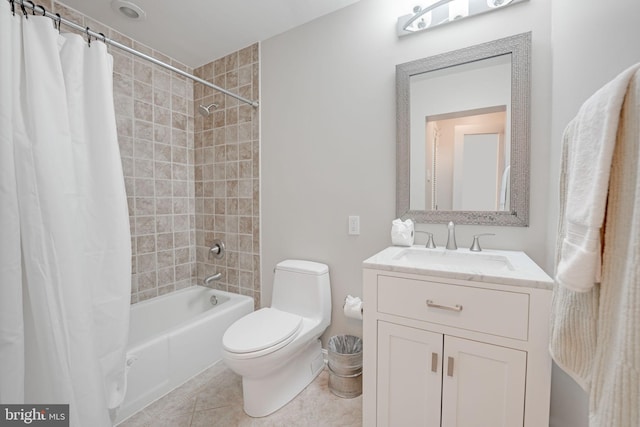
[213,277]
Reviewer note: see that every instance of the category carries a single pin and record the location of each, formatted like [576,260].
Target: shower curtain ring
[88,38]
[44,11]
[58,21]
[104,39]
[33,7]
[13,7]
[24,10]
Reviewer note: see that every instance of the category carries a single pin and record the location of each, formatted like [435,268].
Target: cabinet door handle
[434,362]
[450,366]
[432,304]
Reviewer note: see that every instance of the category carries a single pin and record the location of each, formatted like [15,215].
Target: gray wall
[328,137]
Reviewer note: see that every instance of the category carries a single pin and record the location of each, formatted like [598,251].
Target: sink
[439,259]
[490,265]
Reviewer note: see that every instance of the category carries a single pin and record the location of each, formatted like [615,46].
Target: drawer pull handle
[456,307]
[434,362]
[450,367]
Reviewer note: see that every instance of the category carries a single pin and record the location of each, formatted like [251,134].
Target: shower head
[205,111]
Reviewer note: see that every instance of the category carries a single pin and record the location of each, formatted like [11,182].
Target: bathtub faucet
[213,277]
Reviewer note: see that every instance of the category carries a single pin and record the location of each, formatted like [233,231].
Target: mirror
[463,135]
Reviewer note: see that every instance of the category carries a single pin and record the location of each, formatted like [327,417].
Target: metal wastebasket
[345,365]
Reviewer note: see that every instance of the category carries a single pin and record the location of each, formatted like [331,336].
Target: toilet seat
[261,332]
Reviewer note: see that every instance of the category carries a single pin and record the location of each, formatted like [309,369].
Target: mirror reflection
[467,163]
[460,144]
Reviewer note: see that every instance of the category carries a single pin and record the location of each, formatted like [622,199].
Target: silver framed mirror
[463,135]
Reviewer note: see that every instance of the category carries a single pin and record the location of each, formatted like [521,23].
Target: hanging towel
[590,138]
[595,328]
[504,188]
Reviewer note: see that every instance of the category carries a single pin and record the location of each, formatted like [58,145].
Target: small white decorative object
[402,232]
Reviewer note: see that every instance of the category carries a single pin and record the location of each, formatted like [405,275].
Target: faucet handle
[430,243]
[217,249]
[475,247]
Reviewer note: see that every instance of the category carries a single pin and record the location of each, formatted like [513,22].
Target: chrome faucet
[212,278]
[451,238]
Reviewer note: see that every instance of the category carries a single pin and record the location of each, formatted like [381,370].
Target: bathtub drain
[213,300]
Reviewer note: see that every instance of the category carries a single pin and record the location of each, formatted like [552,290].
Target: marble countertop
[518,268]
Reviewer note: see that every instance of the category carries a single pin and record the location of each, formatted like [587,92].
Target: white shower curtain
[65,254]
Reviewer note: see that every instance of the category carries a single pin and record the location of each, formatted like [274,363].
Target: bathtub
[173,338]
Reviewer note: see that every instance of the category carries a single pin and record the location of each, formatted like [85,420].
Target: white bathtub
[173,338]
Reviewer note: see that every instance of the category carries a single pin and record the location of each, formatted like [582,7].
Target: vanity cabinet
[441,351]
[430,379]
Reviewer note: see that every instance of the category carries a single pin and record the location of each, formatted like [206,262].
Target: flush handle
[432,304]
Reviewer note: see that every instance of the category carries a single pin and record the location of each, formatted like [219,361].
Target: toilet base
[265,395]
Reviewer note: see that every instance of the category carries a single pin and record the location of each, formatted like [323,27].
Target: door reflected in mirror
[466,166]
[444,105]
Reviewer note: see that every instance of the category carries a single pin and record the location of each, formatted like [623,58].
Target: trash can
[345,365]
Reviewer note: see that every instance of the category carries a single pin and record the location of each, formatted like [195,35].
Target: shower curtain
[65,248]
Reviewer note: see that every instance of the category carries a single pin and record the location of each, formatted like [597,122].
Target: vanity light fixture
[444,11]
[424,21]
[129,10]
[421,18]
[459,9]
[498,3]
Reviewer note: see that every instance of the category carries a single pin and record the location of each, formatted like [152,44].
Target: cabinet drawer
[483,310]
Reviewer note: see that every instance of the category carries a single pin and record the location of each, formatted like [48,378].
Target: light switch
[354,225]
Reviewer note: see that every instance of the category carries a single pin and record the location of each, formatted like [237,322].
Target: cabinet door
[409,376]
[483,384]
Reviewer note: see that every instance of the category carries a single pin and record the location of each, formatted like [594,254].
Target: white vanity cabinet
[444,351]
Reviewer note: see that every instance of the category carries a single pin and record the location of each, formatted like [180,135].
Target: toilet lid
[261,329]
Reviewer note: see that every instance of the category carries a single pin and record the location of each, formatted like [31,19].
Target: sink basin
[439,259]
[490,265]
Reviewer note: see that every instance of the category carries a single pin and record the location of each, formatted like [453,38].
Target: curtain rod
[26,4]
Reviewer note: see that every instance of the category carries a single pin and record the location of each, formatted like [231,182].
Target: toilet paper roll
[353,307]
[402,232]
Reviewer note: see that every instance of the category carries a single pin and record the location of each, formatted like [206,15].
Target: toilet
[277,349]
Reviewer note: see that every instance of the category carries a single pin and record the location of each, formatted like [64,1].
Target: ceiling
[200,31]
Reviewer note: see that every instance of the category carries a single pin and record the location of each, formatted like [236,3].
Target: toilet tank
[303,288]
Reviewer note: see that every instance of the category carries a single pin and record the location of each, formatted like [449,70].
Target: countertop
[524,271]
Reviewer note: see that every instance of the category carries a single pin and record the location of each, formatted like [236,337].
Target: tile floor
[214,398]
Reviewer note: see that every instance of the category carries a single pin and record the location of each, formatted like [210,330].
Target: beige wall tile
[188,179]
[225,176]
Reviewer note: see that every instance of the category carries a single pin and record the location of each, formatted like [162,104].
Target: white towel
[594,335]
[504,188]
[590,138]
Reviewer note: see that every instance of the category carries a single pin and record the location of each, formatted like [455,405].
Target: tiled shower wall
[227,186]
[155,120]
[154,114]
